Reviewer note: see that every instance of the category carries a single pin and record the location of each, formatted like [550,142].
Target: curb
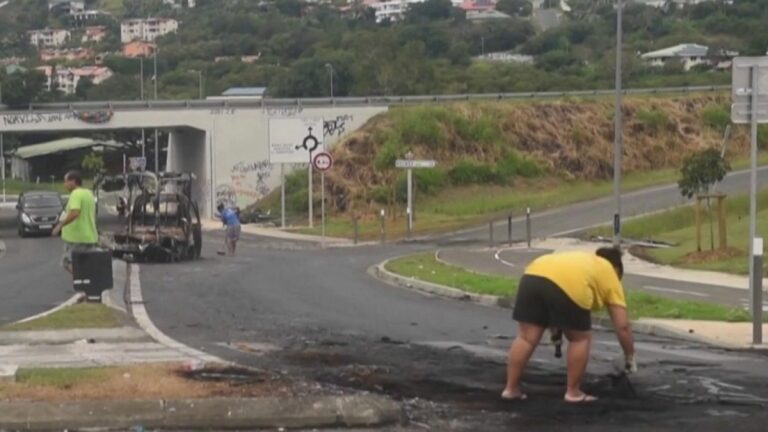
[72,301]
[139,313]
[380,272]
[207,414]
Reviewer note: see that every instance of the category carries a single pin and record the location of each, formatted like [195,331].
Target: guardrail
[349,101]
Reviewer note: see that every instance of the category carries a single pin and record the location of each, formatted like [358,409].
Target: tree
[430,10]
[700,172]
[83,86]
[521,8]
[93,163]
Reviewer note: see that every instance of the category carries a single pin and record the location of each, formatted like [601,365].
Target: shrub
[467,172]
[716,117]
[514,164]
[429,181]
[655,119]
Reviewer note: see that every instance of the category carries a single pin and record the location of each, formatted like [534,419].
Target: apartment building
[48,38]
[147,29]
[66,80]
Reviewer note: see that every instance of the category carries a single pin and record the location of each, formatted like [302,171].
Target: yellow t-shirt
[589,280]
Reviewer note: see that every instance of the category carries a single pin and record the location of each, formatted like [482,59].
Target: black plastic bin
[92,272]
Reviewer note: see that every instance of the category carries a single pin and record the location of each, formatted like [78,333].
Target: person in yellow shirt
[560,291]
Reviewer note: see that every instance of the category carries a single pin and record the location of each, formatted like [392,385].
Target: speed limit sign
[323,161]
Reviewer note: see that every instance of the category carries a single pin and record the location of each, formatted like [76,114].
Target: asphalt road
[31,278]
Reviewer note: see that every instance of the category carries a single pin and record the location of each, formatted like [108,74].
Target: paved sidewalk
[718,333]
[215,225]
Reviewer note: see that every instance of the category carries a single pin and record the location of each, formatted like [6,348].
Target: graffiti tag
[337,126]
[284,111]
[36,118]
[249,182]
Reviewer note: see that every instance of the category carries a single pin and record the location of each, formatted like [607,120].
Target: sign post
[295,140]
[2,164]
[322,162]
[750,100]
[409,164]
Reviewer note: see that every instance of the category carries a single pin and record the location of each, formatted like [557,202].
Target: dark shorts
[541,302]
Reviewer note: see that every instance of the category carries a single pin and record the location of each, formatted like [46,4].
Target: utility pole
[157,141]
[141,80]
[2,164]
[617,131]
[330,70]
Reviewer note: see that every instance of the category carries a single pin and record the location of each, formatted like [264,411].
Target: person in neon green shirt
[78,229]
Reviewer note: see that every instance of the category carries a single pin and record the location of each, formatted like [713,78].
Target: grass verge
[140,382]
[81,315]
[460,207]
[677,227]
[641,305]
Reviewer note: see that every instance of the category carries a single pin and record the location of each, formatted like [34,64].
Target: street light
[617,131]
[200,80]
[330,70]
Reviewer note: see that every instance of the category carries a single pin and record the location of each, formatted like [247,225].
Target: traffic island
[652,314]
[178,396]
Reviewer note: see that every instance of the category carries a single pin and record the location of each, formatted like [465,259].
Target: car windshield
[42,202]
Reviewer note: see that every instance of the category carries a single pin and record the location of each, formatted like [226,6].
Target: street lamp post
[157,143]
[330,70]
[199,81]
[617,131]
[482,46]
[141,79]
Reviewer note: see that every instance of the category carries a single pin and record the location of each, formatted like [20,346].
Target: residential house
[14,68]
[506,57]
[180,3]
[94,34]
[83,17]
[49,38]
[67,6]
[138,49]
[477,5]
[486,15]
[73,54]
[689,55]
[66,80]
[147,29]
[242,93]
[392,10]
[664,3]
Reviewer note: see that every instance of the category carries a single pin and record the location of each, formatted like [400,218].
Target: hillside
[524,145]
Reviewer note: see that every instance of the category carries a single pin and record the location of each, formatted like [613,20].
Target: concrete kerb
[208,414]
[77,298]
[639,326]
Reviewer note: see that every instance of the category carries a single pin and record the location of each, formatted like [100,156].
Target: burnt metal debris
[163,222]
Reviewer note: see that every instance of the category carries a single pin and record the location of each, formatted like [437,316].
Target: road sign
[406,163]
[322,161]
[742,85]
[292,139]
[137,163]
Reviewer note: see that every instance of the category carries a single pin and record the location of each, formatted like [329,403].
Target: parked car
[38,212]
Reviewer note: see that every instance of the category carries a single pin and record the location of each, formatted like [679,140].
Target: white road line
[675,291]
[498,257]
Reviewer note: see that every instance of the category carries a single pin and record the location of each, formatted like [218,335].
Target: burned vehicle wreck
[163,221]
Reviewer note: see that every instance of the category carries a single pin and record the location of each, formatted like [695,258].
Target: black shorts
[540,301]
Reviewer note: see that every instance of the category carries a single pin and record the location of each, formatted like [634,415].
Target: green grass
[61,377]
[82,315]
[15,187]
[426,268]
[471,205]
[677,227]
[641,305]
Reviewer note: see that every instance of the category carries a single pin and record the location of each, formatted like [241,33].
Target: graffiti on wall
[337,126]
[249,181]
[284,111]
[36,118]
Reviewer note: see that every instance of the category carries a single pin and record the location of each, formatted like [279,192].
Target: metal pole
[322,209]
[490,232]
[157,153]
[509,229]
[200,73]
[757,291]
[155,79]
[141,79]
[309,194]
[528,226]
[282,196]
[754,276]
[383,227]
[356,228]
[143,145]
[617,131]
[409,210]
[2,164]
[331,82]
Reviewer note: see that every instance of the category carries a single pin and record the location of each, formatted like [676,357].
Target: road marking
[498,257]
[676,291]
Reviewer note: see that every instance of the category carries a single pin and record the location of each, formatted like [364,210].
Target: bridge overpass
[226,142]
